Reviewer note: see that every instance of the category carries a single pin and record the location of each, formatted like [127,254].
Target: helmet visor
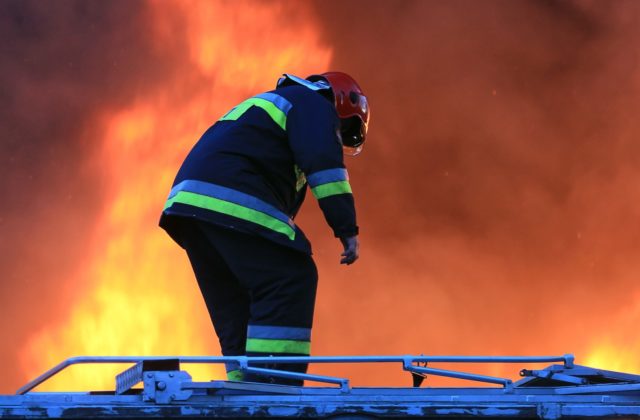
[353,131]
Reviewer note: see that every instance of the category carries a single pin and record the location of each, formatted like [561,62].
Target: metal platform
[562,390]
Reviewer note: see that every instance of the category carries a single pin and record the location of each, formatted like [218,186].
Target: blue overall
[232,207]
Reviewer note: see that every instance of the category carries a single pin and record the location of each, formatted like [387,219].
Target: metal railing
[409,363]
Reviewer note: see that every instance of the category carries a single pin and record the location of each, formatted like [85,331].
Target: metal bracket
[164,387]
[135,374]
[569,360]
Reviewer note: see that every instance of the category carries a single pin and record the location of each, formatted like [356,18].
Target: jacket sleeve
[313,131]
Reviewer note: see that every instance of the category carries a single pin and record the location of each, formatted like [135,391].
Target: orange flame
[617,347]
[140,296]
[422,285]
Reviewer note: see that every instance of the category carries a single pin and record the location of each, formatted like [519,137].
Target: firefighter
[232,206]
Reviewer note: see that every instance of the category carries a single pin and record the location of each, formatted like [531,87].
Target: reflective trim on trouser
[235,375]
[251,284]
[279,333]
[260,345]
[278,339]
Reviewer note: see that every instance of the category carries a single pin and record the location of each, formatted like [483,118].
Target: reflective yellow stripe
[232,209]
[331,188]
[260,345]
[235,375]
[274,112]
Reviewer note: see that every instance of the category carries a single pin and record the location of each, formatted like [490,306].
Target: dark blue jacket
[249,171]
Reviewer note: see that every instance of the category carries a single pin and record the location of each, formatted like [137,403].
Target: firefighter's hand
[351,250]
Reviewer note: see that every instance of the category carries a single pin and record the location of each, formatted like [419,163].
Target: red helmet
[352,107]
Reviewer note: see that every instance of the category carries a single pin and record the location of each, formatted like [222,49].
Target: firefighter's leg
[282,283]
[226,300]
[282,313]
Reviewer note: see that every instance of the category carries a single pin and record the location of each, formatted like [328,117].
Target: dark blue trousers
[251,284]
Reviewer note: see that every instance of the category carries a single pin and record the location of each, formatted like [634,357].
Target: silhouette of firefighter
[232,206]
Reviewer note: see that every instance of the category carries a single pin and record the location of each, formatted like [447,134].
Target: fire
[503,225]
[139,295]
[617,348]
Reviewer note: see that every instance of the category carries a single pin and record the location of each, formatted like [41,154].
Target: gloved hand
[351,250]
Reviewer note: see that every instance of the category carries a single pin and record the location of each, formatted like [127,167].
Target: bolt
[161,386]
[149,375]
[171,374]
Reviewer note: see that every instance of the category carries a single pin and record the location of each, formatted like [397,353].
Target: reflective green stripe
[232,209]
[261,345]
[235,375]
[276,114]
[331,188]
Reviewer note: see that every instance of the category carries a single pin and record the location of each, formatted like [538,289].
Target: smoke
[497,192]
